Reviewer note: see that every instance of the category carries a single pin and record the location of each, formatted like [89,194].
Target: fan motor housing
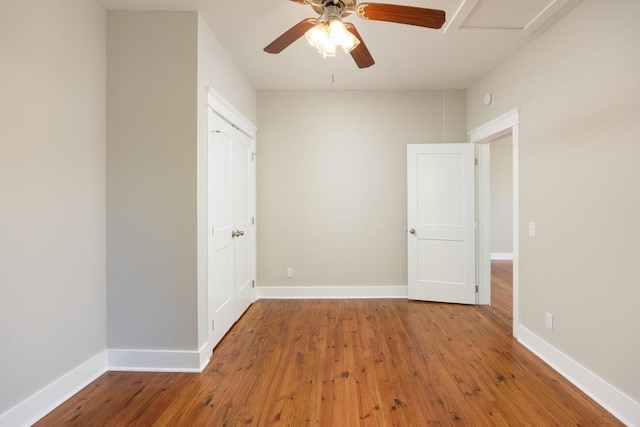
[346,6]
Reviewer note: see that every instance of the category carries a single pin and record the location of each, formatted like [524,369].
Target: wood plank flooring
[502,294]
[350,363]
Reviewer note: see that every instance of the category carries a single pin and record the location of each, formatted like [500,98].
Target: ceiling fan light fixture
[330,32]
[318,37]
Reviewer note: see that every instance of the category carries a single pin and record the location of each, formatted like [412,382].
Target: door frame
[221,107]
[508,122]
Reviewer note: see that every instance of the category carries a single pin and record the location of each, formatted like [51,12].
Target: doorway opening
[501,234]
[502,291]
[502,134]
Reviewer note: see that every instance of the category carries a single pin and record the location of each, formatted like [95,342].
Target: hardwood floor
[502,293]
[350,363]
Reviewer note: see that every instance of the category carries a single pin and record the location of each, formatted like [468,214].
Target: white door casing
[441,222]
[508,122]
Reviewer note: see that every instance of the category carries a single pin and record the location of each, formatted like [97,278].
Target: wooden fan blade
[291,35]
[421,17]
[360,54]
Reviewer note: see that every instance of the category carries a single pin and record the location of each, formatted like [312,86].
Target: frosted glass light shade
[326,36]
[318,37]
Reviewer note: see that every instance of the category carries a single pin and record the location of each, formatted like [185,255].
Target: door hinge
[477,289]
[253,283]
[212,230]
[212,325]
[253,220]
[253,157]
[476,161]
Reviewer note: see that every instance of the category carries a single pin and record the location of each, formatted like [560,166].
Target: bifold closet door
[243,220]
[230,264]
[222,221]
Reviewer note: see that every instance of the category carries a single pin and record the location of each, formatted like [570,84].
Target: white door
[221,263]
[243,221]
[441,222]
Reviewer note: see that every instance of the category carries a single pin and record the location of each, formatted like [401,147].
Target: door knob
[234,234]
[412,231]
[240,233]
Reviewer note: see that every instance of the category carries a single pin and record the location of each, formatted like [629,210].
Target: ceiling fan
[327,31]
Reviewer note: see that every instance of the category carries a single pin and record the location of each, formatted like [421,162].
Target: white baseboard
[47,399]
[502,255]
[613,400]
[331,292]
[205,355]
[157,360]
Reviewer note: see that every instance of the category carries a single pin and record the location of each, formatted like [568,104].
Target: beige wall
[332,181]
[579,93]
[501,153]
[52,191]
[160,67]
[217,69]
[151,180]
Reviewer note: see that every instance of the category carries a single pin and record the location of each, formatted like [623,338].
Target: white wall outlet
[532,229]
[548,320]
[289,272]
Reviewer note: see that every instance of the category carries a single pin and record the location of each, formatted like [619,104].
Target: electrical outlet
[289,272]
[548,320]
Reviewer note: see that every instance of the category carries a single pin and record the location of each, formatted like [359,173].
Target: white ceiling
[476,37]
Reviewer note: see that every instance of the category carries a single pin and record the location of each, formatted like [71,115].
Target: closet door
[231,223]
[222,221]
[243,221]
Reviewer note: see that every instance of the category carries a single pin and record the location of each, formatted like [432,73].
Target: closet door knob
[234,234]
[240,233]
[412,231]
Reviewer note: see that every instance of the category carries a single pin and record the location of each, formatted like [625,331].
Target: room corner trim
[45,400]
[156,360]
[331,292]
[205,355]
[613,400]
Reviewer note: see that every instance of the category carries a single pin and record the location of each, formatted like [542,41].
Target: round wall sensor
[488,98]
